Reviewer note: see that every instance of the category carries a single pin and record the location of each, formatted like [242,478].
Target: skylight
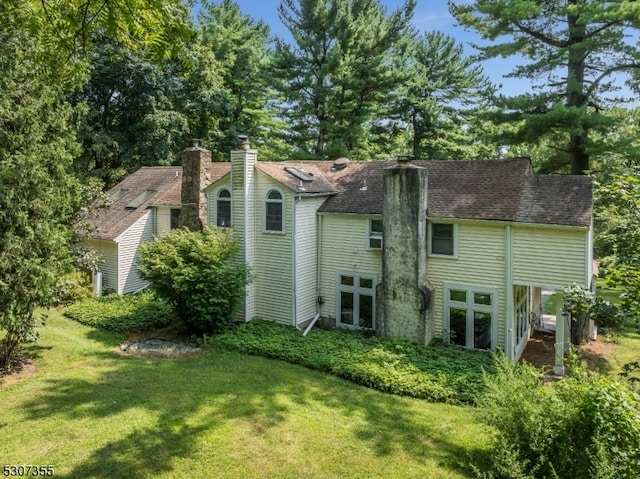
[298,174]
[141,198]
[118,194]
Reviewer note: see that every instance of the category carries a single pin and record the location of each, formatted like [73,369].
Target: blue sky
[428,15]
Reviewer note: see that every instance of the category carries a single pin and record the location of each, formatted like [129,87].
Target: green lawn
[90,412]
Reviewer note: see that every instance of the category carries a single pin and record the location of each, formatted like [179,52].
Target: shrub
[438,373]
[196,274]
[606,315]
[72,287]
[140,312]
[583,426]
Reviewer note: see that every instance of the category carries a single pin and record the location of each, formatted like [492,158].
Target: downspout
[509,319]
[245,205]
[318,276]
[294,235]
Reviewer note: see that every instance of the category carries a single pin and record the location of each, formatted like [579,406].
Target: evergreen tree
[575,48]
[37,195]
[439,98]
[241,46]
[337,77]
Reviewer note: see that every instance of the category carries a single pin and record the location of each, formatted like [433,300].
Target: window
[273,212]
[223,208]
[356,299]
[469,316]
[174,218]
[375,234]
[443,239]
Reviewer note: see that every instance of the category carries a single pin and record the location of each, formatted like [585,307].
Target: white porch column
[561,338]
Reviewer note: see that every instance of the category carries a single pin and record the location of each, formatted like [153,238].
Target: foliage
[72,287]
[573,50]
[618,200]
[583,426]
[37,196]
[140,113]
[240,45]
[438,98]
[128,313]
[336,79]
[196,272]
[436,373]
[578,303]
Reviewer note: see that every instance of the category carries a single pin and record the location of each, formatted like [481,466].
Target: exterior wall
[306,257]
[272,264]
[480,263]
[108,249]
[551,257]
[344,247]
[128,242]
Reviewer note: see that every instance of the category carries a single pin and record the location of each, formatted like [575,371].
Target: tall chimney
[405,299]
[196,176]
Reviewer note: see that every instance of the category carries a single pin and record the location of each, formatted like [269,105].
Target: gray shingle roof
[164,181]
[504,190]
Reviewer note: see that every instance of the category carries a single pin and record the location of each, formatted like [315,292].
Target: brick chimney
[196,176]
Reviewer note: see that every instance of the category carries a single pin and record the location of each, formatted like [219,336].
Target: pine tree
[337,77]
[574,48]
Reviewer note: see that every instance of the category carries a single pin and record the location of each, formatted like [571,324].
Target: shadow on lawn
[191,396]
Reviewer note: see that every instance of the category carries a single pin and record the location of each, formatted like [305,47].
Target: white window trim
[374,235]
[264,215]
[430,240]
[470,306]
[356,290]
[216,194]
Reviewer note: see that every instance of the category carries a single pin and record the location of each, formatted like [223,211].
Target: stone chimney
[405,311]
[196,176]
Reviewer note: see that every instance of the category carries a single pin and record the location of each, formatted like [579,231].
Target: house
[459,250]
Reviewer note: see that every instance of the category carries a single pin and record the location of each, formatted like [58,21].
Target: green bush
[438,373]
[606,315]
[72,287]
[583,426]
[196,274]
[140,312]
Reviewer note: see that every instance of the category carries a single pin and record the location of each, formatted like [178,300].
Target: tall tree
[337,76]
[141,113]
[575,50]
[37,195]
[241,46]
[438,99]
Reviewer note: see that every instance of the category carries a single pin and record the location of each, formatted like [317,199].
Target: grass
[91,412]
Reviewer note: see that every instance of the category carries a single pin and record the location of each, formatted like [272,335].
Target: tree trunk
[578,156]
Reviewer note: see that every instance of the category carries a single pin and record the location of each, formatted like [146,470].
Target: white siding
[128,242]
[480,263]
[273,275]
[344,247]
[306,258]
[109,269]
[551,257]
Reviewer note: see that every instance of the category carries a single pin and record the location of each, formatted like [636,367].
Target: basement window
[375,234]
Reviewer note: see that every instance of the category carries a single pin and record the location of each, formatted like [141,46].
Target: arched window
[223,208]
[274,212]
